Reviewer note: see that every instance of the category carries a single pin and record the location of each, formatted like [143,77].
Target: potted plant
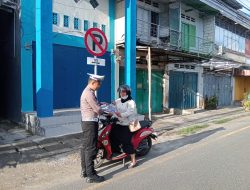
[211,103]
[246,101]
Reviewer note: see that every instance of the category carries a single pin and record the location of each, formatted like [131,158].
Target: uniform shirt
[90,108]
[128,111]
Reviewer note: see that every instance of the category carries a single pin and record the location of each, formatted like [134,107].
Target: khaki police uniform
[90,110]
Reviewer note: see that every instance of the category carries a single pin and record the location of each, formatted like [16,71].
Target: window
[55,18]
[66,21]
[76,23]
[192,19]
[95,25]
[189,18]
[242,45]
[229,39]
[155,23]
[217,35]
[103,28]
[221,35]
[86,25]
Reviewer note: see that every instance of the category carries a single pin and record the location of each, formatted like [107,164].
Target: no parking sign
[96,42]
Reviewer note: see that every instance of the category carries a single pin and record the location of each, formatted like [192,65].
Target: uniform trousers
[89,146]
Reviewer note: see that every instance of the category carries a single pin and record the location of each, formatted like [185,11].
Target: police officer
[90,110]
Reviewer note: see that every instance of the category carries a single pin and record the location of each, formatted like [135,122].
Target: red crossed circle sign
[96,42]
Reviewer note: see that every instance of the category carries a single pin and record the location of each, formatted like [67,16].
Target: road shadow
[17,156]
[161,149]
[33,152]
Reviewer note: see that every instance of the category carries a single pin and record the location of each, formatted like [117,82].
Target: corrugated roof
[233,3]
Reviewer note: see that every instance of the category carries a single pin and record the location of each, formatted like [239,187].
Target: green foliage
[192,129]
[222,121]
[211,103]
[246,101]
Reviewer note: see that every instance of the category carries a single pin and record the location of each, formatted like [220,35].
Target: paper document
[110,108]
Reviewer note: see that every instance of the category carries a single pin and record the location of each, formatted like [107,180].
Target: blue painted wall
[70,76]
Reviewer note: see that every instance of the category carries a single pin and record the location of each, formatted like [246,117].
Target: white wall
[120,22]
[82,10]
[209,28]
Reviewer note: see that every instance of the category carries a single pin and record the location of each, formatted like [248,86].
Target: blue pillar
[112,45]
[44,58]
[130,45]
[27,36]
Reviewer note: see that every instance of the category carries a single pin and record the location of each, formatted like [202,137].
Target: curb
[29,144]
[211,119]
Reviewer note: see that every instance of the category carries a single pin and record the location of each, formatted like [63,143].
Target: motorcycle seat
[145,124]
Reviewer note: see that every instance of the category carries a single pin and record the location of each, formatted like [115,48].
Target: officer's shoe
[95,179]
[83,174]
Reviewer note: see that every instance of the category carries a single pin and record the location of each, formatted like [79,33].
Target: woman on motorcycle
[120,134]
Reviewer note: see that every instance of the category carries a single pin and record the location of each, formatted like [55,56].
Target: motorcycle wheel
[144,147]
[99,158]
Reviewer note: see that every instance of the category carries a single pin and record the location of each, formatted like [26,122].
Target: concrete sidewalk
[68,132]
[170,121]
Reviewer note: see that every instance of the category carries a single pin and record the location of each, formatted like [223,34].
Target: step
[62,130]
[187,111]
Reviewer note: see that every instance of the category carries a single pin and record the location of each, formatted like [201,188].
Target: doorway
[10,96]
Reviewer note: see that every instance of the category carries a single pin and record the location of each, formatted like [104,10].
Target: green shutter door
[192,35]
[188,37]
[185,36]
[142,90]
[157,91]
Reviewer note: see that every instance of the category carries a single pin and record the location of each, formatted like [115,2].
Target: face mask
[124,97]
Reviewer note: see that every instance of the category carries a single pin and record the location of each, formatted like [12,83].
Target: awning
[242,71]
[221,64]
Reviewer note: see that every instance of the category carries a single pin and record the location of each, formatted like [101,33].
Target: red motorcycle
[141,140]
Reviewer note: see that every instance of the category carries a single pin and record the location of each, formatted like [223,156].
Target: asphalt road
[217,158]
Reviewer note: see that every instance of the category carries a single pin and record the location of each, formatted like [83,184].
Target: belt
[91,119]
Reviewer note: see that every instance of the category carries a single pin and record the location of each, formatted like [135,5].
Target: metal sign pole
[95,67]
[95,70]
[96,38]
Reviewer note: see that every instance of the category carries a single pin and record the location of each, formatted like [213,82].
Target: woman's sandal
[131,165]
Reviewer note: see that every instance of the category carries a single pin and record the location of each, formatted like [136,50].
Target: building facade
[196,48]
[63,25]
